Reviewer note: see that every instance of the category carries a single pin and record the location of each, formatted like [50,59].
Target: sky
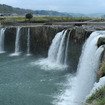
[70,6]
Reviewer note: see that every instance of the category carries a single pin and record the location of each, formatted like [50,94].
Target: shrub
[29,16]
[98,95]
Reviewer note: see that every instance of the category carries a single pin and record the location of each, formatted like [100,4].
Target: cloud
[8,1]
[77,6]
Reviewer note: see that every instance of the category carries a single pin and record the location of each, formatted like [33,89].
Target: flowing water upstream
[33,80]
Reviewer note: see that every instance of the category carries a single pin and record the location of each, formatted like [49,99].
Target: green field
[44,19]
[47,19]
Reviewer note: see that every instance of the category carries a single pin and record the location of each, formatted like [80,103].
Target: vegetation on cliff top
[97,98]
[42,19]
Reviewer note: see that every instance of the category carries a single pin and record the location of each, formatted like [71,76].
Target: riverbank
[89,26]
[54,23]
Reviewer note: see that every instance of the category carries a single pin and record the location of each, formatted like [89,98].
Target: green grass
[45,18]
[101,102]
[98,97]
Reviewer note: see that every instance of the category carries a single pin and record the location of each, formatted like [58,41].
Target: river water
[23,83]
[34,80]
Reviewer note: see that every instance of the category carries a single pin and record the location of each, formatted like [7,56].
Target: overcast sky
[71,6]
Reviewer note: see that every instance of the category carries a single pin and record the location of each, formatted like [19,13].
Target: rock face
[9,40]
[101,41]
[101,71]
[40,38]
[79,34]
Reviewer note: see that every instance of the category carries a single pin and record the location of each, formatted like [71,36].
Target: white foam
[48,65]
[15,54]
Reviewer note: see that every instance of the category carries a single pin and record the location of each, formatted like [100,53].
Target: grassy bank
[97,98]
[44,19]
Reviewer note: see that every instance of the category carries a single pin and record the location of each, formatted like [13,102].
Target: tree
[29,16]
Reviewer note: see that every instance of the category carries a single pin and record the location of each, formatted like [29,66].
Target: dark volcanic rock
[101,71]
[101,41]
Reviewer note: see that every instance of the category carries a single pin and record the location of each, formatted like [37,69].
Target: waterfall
[53,50]
[66,51]
[81,84]
[2,34]
[17,42]
[17,46]
[57,56]
[61,50]
[28,42]
[57,52]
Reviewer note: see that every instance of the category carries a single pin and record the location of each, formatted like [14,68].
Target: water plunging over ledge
[81,84]
[28,42]
[17,43]
[57,54]
[2,35]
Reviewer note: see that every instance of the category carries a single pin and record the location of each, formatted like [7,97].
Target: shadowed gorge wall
[9,40]
[77,38]
[40,38]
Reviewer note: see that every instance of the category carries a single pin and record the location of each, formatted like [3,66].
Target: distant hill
[9,10]
[5,9]
[51,13]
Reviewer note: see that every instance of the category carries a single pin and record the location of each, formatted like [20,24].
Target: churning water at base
[17,43]
[2,34]
[24,84]
[57,54]
[81,84]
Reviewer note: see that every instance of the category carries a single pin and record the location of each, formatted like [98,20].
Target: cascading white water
[66,51]
[2,34]
[17,43]
[61,50]
[82,83]
[56,53]
[17,46]
[53,50]
[28,42]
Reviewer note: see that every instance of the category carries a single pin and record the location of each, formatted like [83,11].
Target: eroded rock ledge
[42,35]
[101,72]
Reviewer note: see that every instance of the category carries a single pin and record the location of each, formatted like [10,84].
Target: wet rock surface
[42,35]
